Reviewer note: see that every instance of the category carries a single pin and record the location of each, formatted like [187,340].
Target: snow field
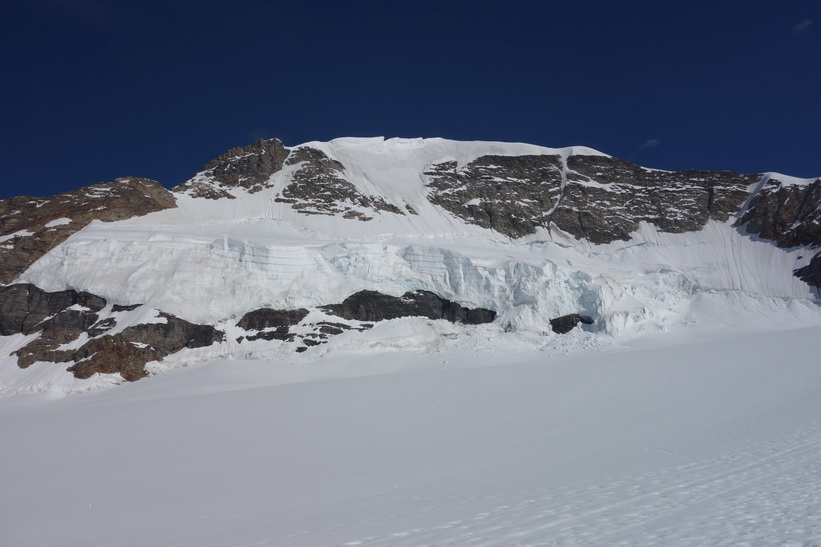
[691,438]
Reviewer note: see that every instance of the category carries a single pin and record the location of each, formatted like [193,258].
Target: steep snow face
[336,218]
[210,272]
[211,259]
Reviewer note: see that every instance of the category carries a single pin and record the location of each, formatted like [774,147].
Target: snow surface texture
[211,261]
[690,438]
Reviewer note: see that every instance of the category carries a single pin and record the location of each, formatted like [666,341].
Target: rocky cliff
[30,227]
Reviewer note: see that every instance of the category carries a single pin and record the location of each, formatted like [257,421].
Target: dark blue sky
[93,89]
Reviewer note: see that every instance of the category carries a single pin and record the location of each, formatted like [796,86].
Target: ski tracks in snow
[766,494]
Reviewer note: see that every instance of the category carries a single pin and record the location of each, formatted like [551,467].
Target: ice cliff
[516,234]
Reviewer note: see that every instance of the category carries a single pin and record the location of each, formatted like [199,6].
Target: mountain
[272,251]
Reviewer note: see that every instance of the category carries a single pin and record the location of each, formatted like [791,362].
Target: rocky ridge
[790,215]
[510,194]
[607,198]
[80,328]
[84,330]
[248,167]
[30,227]
[319,187]
[597,198]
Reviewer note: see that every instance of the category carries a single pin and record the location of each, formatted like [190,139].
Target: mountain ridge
[531,235]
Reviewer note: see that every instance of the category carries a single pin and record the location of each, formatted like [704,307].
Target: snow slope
[211,261]
[697,438]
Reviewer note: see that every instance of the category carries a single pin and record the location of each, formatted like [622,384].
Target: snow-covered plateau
[684,407]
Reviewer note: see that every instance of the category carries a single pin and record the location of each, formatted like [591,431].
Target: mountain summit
[366,244]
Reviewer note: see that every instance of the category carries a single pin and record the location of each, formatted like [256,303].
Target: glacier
[686,413]
[212,260]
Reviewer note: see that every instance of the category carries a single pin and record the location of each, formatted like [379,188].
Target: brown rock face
[37,225]
[247,167]
[113,354]
[63,317]
[319,187]
[129,351]
[788,215]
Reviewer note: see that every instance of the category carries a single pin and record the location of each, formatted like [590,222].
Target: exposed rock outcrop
[790,215]
[811,273]
[265,319]
[37,225]
[375,306]
[130,350]
[598,198]
[510,194]
[362,307]
[566,323]
[81,329]
[26,309]
[63,318]
[606,198]
[319,187]
[249,167]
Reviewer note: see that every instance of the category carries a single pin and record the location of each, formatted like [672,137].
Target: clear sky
[96,89]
